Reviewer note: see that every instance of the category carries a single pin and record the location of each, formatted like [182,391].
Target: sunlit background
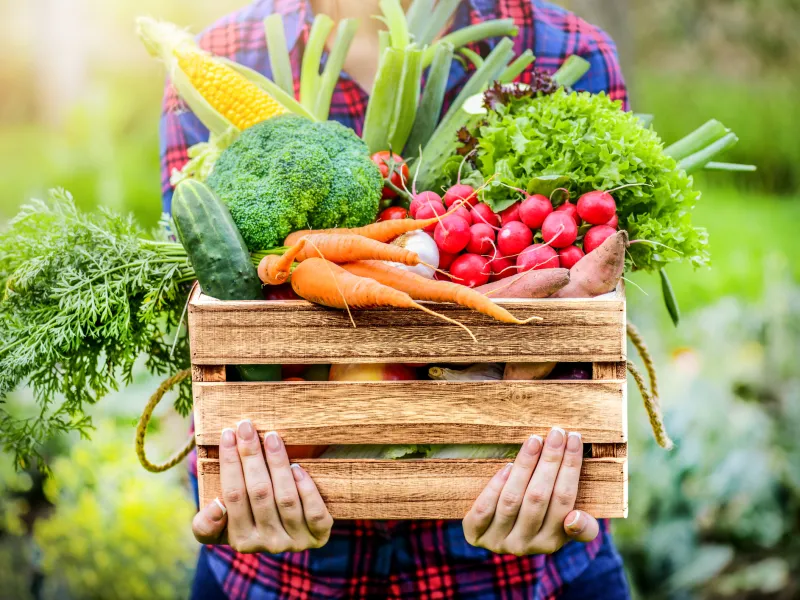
[718,517]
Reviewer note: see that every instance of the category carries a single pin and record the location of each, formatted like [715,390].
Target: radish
[596,236]
[510,214]
[446,259]
[428,211]
[559,230]
[598,207]
[613,221]
[501,267]
[462,212]
[470,270]
[482,213]
[423,199]
[572,210]
[513,238]
[460,192]
[534,209]
[439,276]
[452,234]
[537,256]
[569,256]
[481,239]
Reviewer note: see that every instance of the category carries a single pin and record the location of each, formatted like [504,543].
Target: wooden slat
[598,450]
[295,331]
[413,412]
[430,489]
[208,373]
[615,371]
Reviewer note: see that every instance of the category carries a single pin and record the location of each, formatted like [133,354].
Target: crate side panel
[430,489]
[412,412]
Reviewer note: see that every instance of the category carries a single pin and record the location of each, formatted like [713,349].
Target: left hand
[527,507]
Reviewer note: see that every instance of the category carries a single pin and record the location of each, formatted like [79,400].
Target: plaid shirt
[412,559]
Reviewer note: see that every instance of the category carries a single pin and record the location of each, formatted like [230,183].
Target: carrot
[538,283]
[323,282]
[274,269]
[599,271]
[421,288]
[348,248]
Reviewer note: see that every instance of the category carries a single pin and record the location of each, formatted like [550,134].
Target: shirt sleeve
[179,129]
[605,74]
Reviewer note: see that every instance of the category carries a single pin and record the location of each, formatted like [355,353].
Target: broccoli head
[288,173]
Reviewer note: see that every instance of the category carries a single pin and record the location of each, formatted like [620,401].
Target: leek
[395,19]
[333,67]
[473,33]
[416,17]
[708,133]
[735,167]
[405,109]
[381,104]
[571,71]
[279,53]
[472,57]
[430,106]
[516,68]
[437,20]
[309,71]
[698,160]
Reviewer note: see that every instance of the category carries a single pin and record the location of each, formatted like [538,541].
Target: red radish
[596,236]
[534,209]
[393,212]
[428,211]
[513,238]
[572,210]
[460,192]
[569,256]
[481,239]
[510,214]
[462,212]
[537,256]
[452,234]
[501,267]
[559,230]
[423,199]
[439,276]
[596,207]
[613,222]
[481,213]
[470,270]
[446,259]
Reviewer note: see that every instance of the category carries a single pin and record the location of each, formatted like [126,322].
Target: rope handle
[652,404]
[144,421]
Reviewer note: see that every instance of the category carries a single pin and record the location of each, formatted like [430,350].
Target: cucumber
[218,254]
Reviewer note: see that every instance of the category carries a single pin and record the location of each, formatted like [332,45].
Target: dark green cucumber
[218,254]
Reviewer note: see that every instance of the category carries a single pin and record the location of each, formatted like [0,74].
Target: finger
[581,527]
[287,498]
[537,496]
[256,476]
[513,493]
[318,519]
[208,525]
[562,500]
[234,491]
[479,517]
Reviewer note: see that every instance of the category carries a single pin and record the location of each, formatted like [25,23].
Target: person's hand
[266,506]
[527,506]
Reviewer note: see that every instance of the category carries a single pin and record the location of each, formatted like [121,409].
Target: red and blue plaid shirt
[413,559]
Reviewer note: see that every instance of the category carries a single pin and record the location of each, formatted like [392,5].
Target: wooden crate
[414,412]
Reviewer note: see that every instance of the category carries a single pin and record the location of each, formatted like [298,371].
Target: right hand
[266,506]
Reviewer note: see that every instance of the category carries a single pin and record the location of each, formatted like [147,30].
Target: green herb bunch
[82,296]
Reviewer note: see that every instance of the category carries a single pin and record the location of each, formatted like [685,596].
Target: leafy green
[589,141]
[83,296]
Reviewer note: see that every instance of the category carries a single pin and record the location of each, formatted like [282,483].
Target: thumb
[581,527]
[209,524]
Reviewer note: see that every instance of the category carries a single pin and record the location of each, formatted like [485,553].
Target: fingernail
[228,438]
[556,437]
[273,441]
[574,442]
[534,444]
[298,472]
[217,510]
[506,470]
[246,430]
[573,525]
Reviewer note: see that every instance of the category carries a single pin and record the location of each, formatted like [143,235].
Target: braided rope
[651,402]
[144,421]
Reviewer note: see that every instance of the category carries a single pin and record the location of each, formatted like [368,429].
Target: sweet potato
[527,371]
[599,271]
[530,284]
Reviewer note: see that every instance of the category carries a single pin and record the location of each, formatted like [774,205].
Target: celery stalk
[382,101]
[571,71]
[396,21]
[473,33]
[430,106]
[473,57]
[706,134]
[405,110]
[279,53]
[437,20]
[699,159]
[516,68]
[384,41]
[333,68]
[309,72]
[723,166]
[417,16]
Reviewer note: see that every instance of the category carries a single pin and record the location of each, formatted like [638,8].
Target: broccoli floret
[289,173]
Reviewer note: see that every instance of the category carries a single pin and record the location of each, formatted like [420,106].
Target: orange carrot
[348,248]
[274,269]
[323,282]
[421,288]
